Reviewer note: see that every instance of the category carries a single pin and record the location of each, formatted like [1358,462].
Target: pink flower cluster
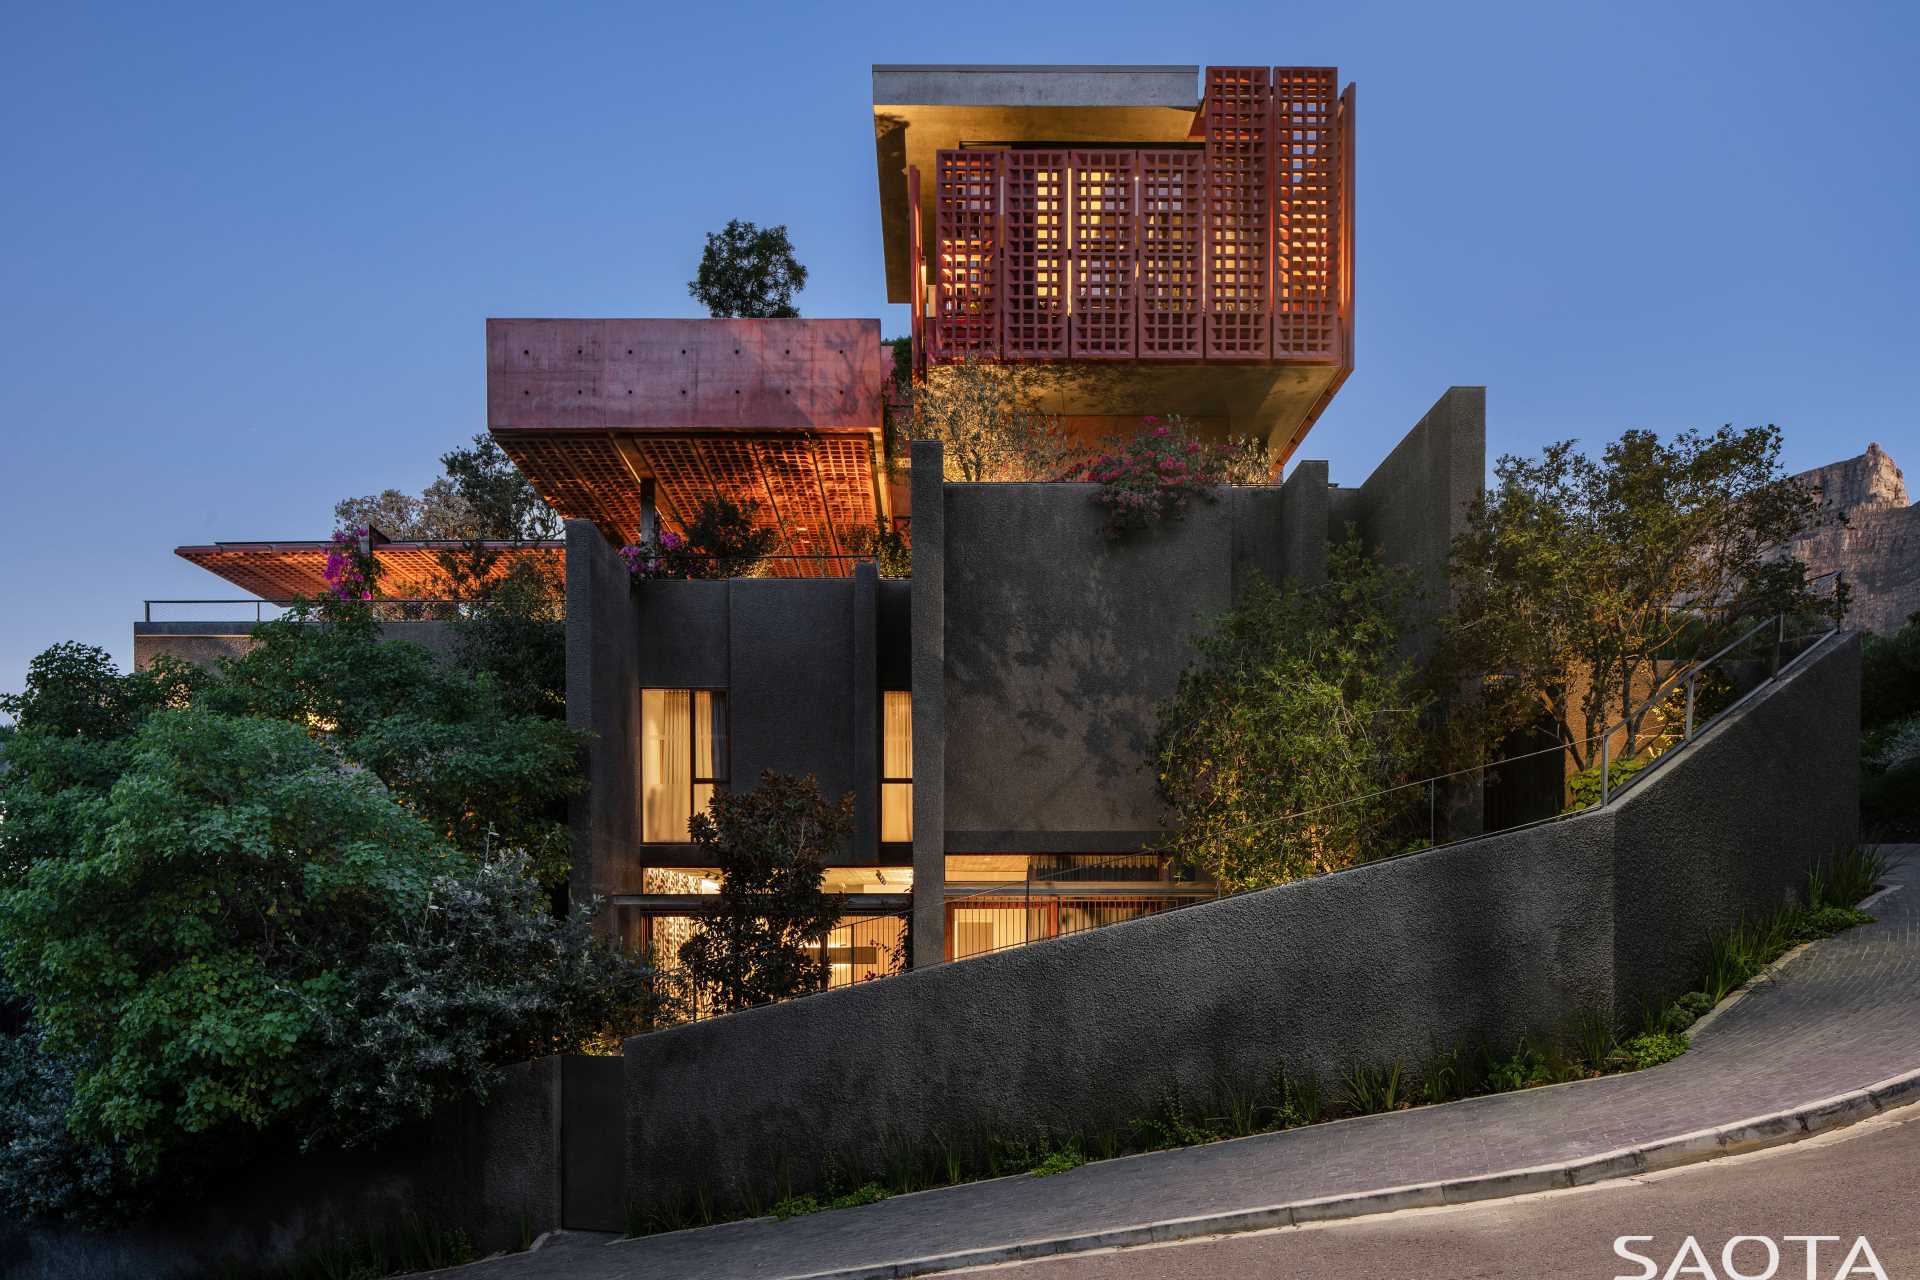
[666,558]
[350,569]
[1152,476]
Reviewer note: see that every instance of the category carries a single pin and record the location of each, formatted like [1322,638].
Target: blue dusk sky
[246,251]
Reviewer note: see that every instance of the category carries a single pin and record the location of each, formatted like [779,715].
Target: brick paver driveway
[1843,1015]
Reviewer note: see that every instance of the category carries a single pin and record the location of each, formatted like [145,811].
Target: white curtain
[896,761]
[666,784]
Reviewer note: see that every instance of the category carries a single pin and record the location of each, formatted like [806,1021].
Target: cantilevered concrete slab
[918,110]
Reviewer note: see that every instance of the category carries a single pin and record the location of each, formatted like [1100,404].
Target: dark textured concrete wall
[1736,821]
[800,660]
[1484,941]
[603,698]
[929,635]
[491,1171]
[1058,643]
[1416,501]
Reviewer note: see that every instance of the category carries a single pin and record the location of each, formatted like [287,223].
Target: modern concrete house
[1145,241]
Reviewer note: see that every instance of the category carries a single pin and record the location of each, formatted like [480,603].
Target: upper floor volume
[1060,216]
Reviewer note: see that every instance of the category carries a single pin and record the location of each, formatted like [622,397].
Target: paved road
[1844,1015]
[1850,1183]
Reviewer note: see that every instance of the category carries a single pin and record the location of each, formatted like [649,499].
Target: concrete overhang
[919,110]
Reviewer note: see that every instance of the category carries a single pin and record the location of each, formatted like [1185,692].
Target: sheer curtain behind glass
[896,767]
[709,745]
[666,777]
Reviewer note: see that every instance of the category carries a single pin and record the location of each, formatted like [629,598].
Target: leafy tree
[990,418]
[252,943]
[1890,677]
[724,542]
[68,744]
[438,514]
[481,761]
[889,547]
[44,1172]
[1296,705]
[748,272]
[514,639]
[1577,575]
[761,942]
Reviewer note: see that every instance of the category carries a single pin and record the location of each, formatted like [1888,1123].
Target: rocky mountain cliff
[1879,546]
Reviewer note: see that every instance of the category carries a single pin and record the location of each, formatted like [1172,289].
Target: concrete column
[929,704]
[866,713]
[1304,516]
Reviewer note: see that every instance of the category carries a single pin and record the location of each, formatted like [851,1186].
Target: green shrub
[248,942]
[1583,788]
[1370,1089]
[1298,703]
[1650,1049]
[1846,877]
[1059,1161]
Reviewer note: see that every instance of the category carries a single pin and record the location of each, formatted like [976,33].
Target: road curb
[1752,1134]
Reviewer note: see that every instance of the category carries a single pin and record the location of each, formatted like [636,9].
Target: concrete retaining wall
[1508,935]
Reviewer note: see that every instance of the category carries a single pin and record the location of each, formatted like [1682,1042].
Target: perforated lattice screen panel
[1105,238]
[1172,219]
[580,476]
[1306,314]
[1034,271]
[408,571]
[1237,249]
[966,298]
[1239,159]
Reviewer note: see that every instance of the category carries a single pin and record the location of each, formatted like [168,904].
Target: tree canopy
[1296,706]
[762,940]
[748,272]
[1577,575]
[287,902]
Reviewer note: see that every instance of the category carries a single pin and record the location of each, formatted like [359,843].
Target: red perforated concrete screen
[1237,249]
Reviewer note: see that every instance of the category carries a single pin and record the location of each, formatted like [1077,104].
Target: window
[683,757]
[896,767]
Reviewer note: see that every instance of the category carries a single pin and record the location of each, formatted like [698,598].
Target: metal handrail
[259,603]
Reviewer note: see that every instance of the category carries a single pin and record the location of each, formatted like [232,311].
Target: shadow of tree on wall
[1058,645]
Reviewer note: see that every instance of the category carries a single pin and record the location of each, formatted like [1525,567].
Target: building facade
[1141,241]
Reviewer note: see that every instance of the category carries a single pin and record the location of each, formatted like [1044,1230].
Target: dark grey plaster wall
[1058,643]
[1416,501]
[492,1171]
[929,636]
[1508,934]
[603,698]
[800,660]
[1734,824]
[1486,941]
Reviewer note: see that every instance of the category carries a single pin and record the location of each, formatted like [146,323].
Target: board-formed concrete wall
[1485,941]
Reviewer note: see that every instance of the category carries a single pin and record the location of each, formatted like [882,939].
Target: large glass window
[683,757]
[896,767]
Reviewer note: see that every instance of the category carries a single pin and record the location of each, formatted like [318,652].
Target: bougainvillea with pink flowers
[665,557]
[351,571]
[1156,474]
